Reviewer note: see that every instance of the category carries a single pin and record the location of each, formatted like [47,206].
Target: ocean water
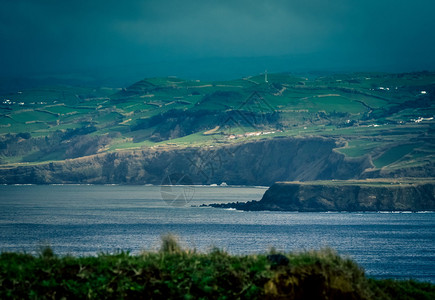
[90,219]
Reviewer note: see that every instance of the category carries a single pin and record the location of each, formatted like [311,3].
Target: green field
[393,154]
[386,116]
[357,148]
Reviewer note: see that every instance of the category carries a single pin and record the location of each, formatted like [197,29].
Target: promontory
[345,195]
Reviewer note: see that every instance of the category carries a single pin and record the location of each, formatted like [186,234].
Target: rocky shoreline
[345,195]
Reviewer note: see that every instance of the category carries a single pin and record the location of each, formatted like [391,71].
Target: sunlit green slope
[386,116]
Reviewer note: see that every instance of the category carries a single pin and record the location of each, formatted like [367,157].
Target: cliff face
[260,162]
[346,196]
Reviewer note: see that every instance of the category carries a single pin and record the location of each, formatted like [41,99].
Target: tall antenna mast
[265,76]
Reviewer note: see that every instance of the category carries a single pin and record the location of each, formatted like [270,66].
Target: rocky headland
[349,195]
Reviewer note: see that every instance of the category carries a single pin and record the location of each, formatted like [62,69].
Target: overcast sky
[165,36]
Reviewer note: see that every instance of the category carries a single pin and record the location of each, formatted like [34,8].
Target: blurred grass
[177,273]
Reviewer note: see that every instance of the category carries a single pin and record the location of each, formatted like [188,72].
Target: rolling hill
[386,119]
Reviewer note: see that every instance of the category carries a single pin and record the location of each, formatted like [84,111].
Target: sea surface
[90,219]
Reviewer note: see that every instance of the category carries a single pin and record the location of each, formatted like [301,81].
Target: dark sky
[191,38]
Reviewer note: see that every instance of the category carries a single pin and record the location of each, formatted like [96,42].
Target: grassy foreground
[174,273]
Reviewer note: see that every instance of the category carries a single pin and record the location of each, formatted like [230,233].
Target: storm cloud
[40,36]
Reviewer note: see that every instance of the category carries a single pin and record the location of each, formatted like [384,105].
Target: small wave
[396,212]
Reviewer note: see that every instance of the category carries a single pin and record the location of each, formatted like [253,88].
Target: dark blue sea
[90,219]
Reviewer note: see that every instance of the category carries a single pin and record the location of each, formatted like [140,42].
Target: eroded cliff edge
[258,162]
[354,195]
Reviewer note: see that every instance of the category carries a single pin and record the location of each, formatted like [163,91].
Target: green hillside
[386,116]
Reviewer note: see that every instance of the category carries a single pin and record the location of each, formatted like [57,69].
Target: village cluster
[250,134]
[9,102]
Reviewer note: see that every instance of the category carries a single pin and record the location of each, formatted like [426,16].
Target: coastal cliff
[258,162]
[354,195]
